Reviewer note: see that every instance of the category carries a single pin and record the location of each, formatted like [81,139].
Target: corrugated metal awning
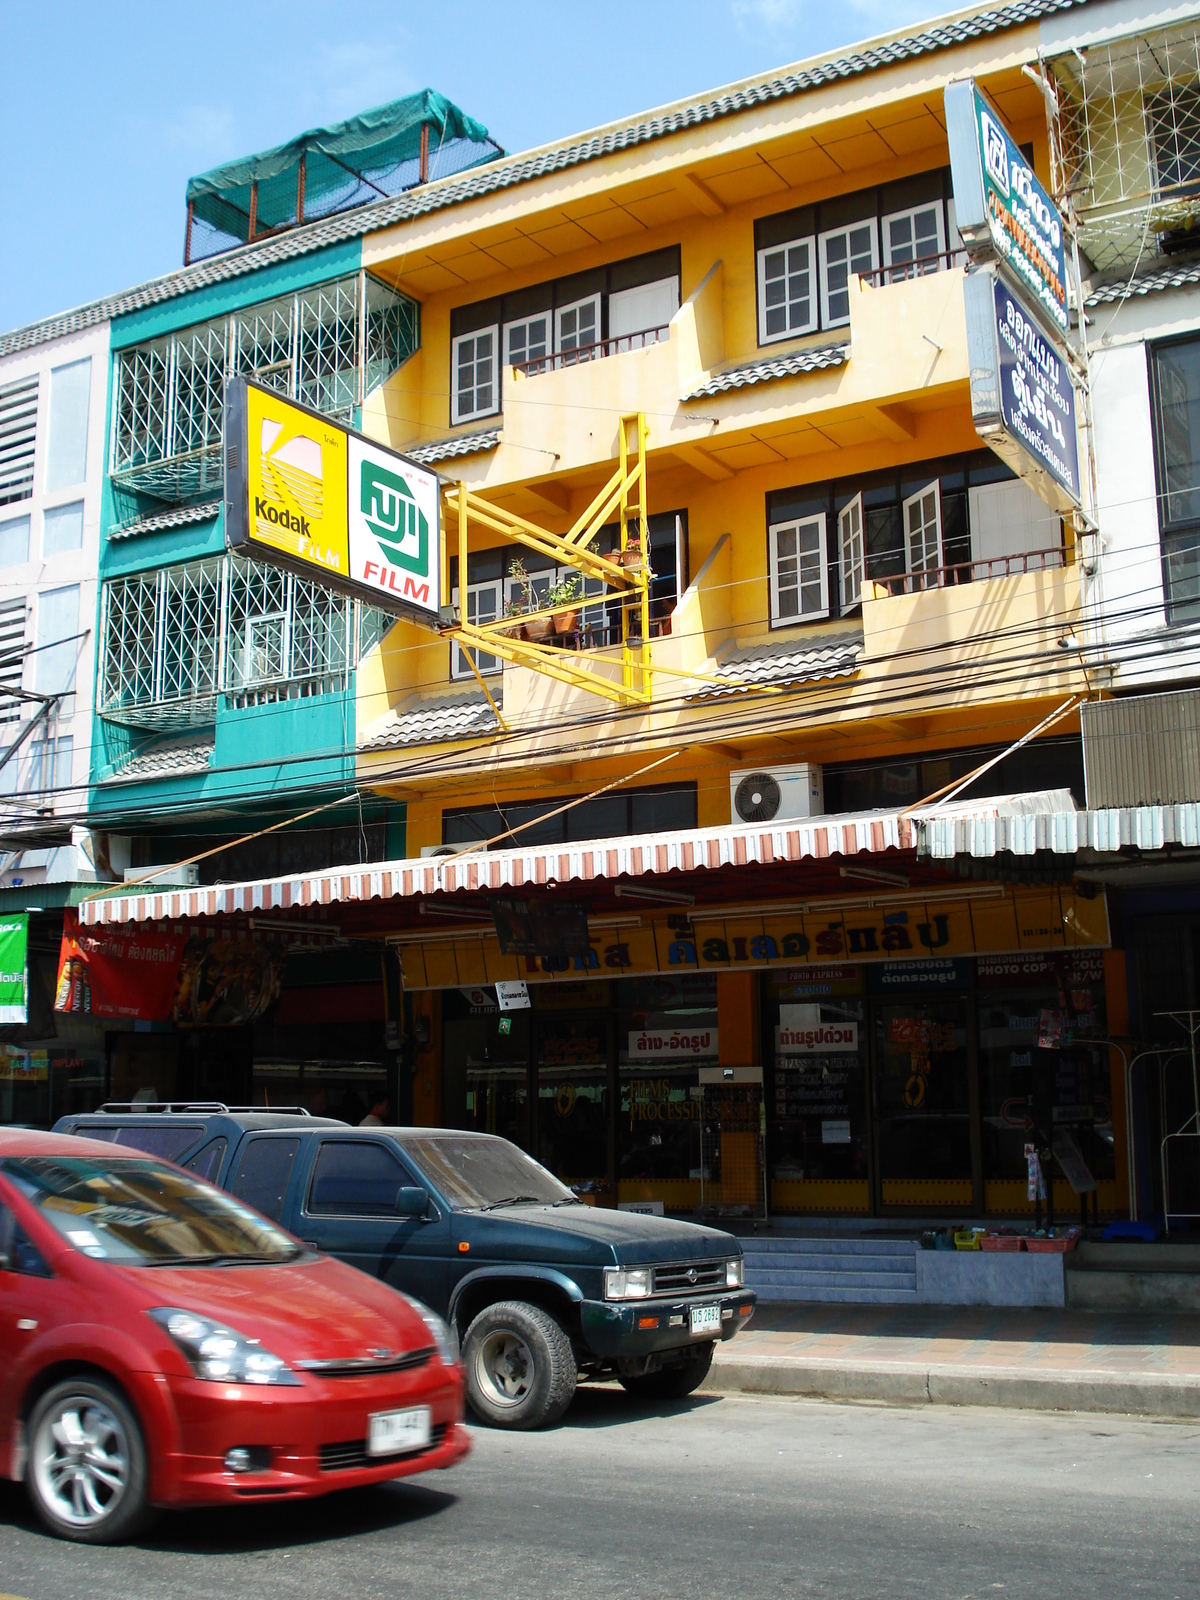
[1019,824]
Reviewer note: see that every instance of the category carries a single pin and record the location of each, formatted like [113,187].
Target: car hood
[318,1309]
[592,1234]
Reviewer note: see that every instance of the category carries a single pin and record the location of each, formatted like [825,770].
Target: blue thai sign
[1022,396]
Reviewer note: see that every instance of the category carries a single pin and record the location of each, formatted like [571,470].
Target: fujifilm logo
[995,151]
[394,517]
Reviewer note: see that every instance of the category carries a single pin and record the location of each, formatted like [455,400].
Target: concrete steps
[854,1271]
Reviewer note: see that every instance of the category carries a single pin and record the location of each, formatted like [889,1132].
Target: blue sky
[107,108]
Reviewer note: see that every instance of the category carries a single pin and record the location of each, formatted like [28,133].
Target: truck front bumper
[629,1329]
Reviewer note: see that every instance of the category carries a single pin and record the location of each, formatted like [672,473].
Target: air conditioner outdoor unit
[776,794]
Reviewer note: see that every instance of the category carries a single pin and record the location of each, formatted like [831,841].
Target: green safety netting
[347,164]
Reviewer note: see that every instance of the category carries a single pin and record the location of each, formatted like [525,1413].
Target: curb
[1129,1394]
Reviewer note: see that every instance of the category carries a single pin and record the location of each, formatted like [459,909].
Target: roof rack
[125,1107]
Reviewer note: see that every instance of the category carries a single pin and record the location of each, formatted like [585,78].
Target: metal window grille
[372,625]
[1127,142]
[12,657]
[18,436]
[318,346]
[174,639]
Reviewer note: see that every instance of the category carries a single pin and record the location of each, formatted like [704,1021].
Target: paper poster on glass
[14,968]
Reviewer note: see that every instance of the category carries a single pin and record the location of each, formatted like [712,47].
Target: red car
[163,1345]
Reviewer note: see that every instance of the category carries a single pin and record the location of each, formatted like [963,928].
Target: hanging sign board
[14,969]
[1001,210]
[305,493]
[1022,397]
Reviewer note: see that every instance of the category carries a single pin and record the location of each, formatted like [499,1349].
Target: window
[844,251]
[527,341]
[1174,123]
[206,1163]
[263,1173]
[12,657]
[50,764]
[355,1179]
[657,810]
[1175,372]
[58,646]
[638,317]
[787,298]
[476,390]
[923,532]
[70,392]
[851,559]
[483,605]
[62,529]
[913,242]
[799,571]
[18,436]
[577,327]
[18,1253]
[14,542]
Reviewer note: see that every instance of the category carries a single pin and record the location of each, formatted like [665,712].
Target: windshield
[141,1213]
[474,1172]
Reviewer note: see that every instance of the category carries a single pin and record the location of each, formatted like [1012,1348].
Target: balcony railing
[971,571]
[899,271]
[592,352]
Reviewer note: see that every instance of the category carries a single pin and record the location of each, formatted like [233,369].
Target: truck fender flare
[515,1274]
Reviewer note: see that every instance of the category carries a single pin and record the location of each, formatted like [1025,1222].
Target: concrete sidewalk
[1133,1363]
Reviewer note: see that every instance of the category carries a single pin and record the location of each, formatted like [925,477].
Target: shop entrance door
[922,1104]
[573,1104]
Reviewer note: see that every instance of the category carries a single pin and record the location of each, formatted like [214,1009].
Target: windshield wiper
[225,1260]
[569,1200]
[514,1200]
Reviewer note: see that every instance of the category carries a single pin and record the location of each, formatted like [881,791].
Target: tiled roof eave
[769,369]
[495,177]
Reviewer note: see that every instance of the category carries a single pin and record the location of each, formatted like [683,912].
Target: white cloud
[354,75]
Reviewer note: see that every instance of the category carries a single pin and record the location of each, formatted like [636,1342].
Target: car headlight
[443,1337]
[218,1354]
[735,1273]
[626,1283]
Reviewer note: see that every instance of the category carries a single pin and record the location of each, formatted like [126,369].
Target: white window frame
[924,568]
[809,243]
[457,414]
[912,212]
[827,319]
[525,322]
[576,305]
[852,561]
[488,665]
[819,520]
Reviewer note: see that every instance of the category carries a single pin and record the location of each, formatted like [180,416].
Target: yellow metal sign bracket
[626,576]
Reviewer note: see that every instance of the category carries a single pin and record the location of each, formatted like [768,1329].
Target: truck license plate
[706,1319]
[391,1433]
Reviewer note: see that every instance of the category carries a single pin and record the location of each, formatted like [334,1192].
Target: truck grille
[352,1453]
[689,1277]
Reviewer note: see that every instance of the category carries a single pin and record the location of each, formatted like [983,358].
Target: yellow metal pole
[444,599]
[462,552]
[626,653]
[644,525]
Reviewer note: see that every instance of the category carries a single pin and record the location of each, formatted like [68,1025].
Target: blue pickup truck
[538,1288]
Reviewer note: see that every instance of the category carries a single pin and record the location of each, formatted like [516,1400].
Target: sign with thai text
[14,968]
[799,1037]
[1022,396]
[1022,919]
[673,1044]
[305,493]
[1001,209]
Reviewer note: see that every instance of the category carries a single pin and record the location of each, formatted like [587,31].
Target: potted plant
[631,557]
[562,594]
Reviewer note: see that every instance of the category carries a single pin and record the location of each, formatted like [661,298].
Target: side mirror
[412,1202]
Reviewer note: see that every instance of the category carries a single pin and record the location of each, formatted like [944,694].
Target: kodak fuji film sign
[305,493]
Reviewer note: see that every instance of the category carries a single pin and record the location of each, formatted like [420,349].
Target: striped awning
[1019,824]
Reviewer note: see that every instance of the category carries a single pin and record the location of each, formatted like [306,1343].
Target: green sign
[393,516]
[14,972]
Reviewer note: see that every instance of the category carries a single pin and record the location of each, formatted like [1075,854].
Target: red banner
[118,972]
[183,976]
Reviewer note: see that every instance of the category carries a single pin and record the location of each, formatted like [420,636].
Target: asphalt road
[706,1500]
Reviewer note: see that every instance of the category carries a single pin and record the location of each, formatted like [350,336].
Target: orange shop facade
[749,1024]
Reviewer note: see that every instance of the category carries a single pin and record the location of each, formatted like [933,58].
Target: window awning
[1019,824]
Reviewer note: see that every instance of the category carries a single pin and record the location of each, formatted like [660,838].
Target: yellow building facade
[830,586]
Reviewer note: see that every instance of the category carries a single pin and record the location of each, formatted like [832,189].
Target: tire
[87,1475]
[673,1383]
[521,1369]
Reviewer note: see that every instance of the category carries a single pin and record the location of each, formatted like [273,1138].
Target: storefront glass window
[1040,1068]
[572,1102]
[486,1084]
[666,1031]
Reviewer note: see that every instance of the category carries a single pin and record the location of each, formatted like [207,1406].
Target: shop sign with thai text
[1023,919]
[673,1044]
[1022,396]
[1001,209]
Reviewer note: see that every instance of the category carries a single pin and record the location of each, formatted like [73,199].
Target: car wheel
[87,1474]
[520,1366]
[674,1383]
